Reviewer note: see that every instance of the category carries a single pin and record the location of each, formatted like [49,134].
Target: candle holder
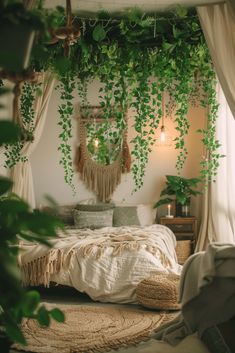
[169,215]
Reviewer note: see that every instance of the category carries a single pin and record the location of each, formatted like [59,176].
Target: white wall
[48,174]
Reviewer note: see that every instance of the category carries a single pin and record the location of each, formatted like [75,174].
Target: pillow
[146,215]
[125,216]
[64,213]
[93,220]
[95,207]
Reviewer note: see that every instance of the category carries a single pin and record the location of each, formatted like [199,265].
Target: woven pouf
[159,291]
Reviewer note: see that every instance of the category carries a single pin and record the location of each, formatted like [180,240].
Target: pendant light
[164,137]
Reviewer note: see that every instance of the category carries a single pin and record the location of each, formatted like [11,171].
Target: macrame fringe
[39,270]
[101,179]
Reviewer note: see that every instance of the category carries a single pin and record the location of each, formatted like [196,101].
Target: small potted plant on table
[180,191]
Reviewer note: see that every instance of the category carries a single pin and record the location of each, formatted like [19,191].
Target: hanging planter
[16,42]
[18,28]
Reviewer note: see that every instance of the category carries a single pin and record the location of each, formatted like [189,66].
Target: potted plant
[17,31]
[182,189]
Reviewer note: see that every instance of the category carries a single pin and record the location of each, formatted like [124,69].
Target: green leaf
[43,316]
[13,331]
[9,132]
[5,185]
[57,315]
[98,33]
[30,303]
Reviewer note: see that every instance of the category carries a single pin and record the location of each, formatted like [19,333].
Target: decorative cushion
[93,220]
[95,207]
[146,214]
[159,291]
[64,213]
[125,216]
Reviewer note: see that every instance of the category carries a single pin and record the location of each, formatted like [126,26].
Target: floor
[66,295]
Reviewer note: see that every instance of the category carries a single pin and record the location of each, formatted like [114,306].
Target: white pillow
[146,214]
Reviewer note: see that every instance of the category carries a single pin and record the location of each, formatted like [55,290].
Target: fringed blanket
[100,262]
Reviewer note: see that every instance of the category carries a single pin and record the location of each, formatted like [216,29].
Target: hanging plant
[136,59]
[66,87]
[13,152]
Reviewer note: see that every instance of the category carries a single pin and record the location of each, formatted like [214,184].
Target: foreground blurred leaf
[57,315]
[31,302]
[9,132]
[43,316]
[5,185]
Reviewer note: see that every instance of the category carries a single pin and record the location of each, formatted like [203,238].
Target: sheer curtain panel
[218,221]
[21,173]
[218,24]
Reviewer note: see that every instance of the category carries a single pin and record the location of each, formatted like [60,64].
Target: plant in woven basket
[180,190]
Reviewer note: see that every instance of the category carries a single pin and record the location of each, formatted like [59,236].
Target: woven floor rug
[92,329]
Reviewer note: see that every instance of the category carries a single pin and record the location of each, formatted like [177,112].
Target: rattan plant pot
[159,291]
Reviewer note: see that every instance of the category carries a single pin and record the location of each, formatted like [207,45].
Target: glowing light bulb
[96,143]
[163,134]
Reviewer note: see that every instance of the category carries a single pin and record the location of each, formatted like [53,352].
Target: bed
[106,263]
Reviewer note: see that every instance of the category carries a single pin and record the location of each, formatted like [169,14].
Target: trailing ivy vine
[137,59]
[66,87]
[13,151]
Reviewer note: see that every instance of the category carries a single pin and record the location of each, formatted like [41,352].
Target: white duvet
[107,264]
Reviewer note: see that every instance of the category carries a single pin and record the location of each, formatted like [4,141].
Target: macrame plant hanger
[101,179]
[70,33]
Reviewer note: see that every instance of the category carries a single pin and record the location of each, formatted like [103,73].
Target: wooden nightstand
[185,230]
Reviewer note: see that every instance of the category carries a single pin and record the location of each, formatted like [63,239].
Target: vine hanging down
[136,58]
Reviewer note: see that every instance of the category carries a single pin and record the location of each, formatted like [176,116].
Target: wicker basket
[183,250]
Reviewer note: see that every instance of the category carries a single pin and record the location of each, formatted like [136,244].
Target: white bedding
[107,264]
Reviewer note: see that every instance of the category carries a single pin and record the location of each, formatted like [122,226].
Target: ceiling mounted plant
[69,33]
[136,58]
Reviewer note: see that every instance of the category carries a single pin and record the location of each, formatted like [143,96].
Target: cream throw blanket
[107,263]
[207,293]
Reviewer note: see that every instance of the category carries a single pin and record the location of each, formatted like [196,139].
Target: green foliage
[14,13]
[181,188]
[18,221]
[136,58]
[66,87]
[13,151]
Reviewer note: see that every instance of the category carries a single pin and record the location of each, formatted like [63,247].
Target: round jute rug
[91,329]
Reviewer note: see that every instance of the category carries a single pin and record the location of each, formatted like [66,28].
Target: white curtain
[21,173]
[219,200]
[218,24]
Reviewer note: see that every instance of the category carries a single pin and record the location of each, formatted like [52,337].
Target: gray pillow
[93,220]
[125,216]
[64,213]
[95,207]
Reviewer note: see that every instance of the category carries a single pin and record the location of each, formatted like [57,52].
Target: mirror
[103,154]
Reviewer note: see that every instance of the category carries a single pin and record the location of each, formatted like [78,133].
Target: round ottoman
[159,291]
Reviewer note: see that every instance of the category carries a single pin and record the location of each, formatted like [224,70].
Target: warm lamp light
[163,134]
[96,143]
[164,138]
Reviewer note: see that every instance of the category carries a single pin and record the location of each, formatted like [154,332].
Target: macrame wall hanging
[101,178]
